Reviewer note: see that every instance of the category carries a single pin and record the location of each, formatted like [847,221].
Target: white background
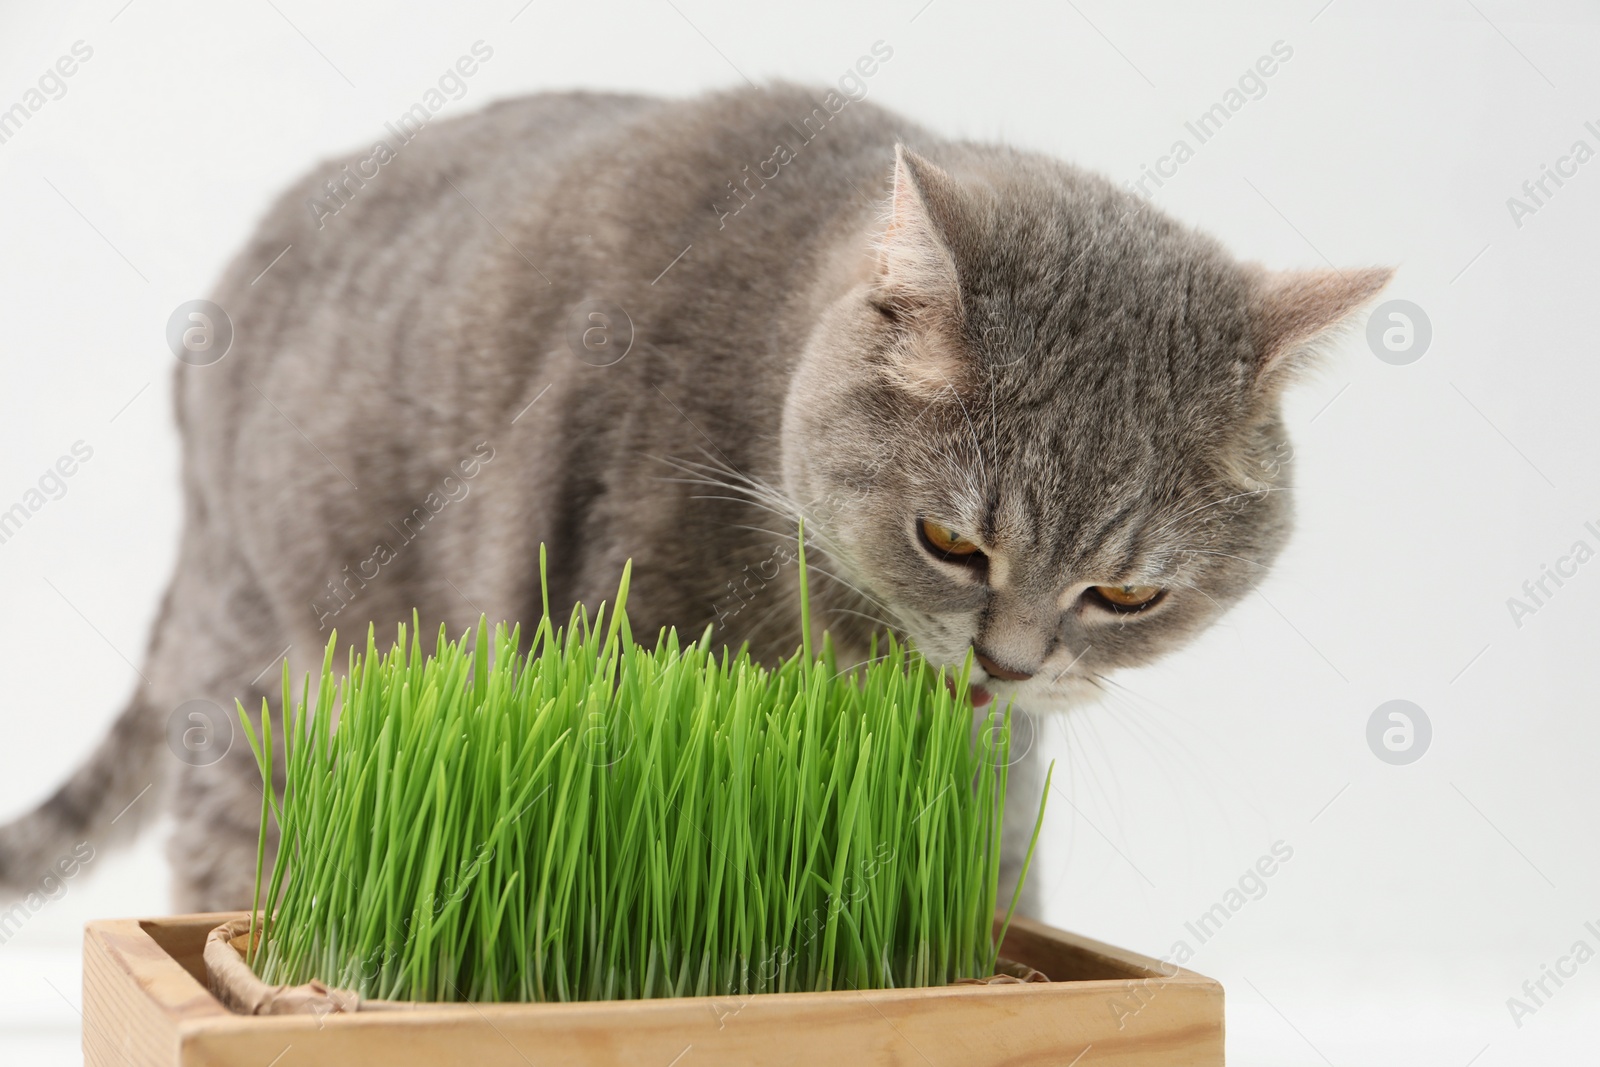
[1420,897]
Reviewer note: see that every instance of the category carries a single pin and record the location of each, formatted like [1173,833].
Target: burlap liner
[1010,973]
[237,986]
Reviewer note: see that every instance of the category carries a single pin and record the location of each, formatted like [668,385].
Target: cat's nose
[1005,674]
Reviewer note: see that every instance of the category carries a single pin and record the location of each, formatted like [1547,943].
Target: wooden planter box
[146,1004]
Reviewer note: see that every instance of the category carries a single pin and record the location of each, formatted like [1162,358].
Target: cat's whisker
[777,535]
[885,623]
[821,538]
[1063,671]
[856,665]
[812,566]
[781,608]
[829,548]
[1164,527]
[751,489]
[852,587]
[1084,724]
[1128,718]
[744,500]
[1195,588]
[756,494]
[755,484]
[1224,555]
[1134,704]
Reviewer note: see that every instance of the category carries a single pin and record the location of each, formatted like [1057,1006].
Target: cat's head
[1043,423]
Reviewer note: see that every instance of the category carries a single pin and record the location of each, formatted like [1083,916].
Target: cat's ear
[916,281]
[916,272]
[1290,310]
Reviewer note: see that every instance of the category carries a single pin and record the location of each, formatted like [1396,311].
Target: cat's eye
[944,542]
[1126,599]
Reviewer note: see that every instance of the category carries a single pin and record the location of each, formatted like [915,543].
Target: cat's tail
[105,802]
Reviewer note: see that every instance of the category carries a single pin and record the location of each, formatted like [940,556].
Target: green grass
[600,819]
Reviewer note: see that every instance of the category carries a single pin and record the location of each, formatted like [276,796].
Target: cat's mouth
[976,693]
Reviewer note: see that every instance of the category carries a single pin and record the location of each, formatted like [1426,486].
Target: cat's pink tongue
[977,694]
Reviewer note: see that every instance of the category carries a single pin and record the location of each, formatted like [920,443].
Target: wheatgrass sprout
[599,819]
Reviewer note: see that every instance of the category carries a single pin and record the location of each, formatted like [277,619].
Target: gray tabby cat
[1022,412]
